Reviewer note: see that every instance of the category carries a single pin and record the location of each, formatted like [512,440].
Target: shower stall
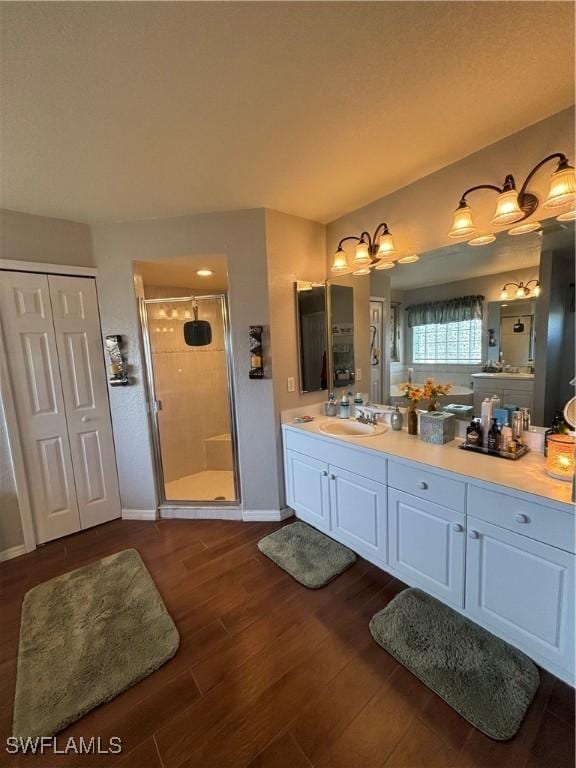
[192,399]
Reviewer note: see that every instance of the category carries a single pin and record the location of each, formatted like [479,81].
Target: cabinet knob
[422,485]
[332,477]
[520,518]
[325,472]
[457,528]
[474,534]
[85,419]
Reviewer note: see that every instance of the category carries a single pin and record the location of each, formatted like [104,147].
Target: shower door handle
[157,405]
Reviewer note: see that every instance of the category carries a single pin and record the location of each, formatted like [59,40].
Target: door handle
[457,528]
[85,419]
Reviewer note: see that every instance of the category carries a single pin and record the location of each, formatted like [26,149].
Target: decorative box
[437,427]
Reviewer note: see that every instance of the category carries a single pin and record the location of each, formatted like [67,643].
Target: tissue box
[437,427]
[461,411]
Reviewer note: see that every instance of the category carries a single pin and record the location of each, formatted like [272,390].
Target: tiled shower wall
[191,382]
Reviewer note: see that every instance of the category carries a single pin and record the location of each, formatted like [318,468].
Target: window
[455,343]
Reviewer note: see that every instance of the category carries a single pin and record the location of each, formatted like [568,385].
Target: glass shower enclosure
[192,401]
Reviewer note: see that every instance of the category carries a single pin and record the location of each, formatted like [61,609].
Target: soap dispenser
[397,419]
[344,407]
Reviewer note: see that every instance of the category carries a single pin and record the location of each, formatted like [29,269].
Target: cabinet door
[358,514]
[33,361]
[83,373]
[426,546]
[307,492]
[522,590]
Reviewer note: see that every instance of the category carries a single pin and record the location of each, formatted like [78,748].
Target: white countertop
[526,474]
[504,375]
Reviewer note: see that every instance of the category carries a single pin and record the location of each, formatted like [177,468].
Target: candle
[560,460]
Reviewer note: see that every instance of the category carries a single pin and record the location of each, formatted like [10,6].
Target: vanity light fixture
[371,251]
[523,229]
[204,272]
[568,216]
[522,291]
[482,239]
[513,206]
[409,259]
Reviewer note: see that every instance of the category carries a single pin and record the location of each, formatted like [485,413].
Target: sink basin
[345,428]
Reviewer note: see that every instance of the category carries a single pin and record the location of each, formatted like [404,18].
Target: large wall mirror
[341,335]
[312,319]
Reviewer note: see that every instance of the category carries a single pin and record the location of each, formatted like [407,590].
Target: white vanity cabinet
[426,546]
[502,557]
[523,591]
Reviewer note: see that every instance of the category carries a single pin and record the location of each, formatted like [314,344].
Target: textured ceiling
[117,111]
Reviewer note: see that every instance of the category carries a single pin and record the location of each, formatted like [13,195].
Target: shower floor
[209,485]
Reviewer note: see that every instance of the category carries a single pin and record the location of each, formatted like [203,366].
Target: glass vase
[412,421]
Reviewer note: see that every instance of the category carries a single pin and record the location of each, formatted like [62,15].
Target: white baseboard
[199,513]
[139,514]
[266,515]
[8,554]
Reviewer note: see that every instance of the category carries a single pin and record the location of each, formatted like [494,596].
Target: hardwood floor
[268,673]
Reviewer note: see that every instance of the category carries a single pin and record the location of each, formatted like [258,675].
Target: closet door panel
[25,311]
[83,371]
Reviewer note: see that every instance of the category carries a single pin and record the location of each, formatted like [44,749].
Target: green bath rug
[85,637]
[307,555]
[483,678]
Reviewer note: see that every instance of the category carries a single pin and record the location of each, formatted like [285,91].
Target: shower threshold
[208,485]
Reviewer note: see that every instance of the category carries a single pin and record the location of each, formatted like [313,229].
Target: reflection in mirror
[312,335]
[521,350]
[342,335]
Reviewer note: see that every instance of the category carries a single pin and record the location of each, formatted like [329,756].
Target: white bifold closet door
[52,337]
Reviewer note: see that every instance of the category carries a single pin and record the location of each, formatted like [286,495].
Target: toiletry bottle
[494,436]
[496,402]
[505,437]
[397,419]
[344,407]
[474,433]
[486,418]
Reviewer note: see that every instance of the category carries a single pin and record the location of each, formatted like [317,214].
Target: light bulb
[384,265]
[507,208]
[521,292]
[562,187]
[340,262]
[204,272]
[482,240]
[361,254]
[162,314]
[568,216]
[462,226]
[523,229]
[386,245]
[409,259]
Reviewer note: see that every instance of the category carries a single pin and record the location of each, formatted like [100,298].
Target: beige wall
[296,250]
[241,236]
[420,215]
[25,237]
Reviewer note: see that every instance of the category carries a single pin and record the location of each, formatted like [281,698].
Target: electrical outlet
[291,385]
[358,374]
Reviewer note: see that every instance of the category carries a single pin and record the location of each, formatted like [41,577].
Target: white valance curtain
[447,311]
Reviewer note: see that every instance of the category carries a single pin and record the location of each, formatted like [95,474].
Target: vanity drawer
[537,521]
[427,485]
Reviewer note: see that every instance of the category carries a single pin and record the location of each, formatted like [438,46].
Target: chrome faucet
[368,418]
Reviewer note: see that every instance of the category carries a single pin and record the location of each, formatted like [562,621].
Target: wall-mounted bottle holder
[256,354]
[115,362]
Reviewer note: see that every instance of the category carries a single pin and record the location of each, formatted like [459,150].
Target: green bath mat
[85,637]
[483,678]
[307,555]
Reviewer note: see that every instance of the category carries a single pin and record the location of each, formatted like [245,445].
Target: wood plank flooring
[268,673]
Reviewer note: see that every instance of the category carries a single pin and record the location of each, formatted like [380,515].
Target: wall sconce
[560,459]
[513,206]
[522,291]
[371,251]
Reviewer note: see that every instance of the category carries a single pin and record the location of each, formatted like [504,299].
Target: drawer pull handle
[520,518]
[325,472]
[457,528]
[332,477]
[422,485]
[474,535]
